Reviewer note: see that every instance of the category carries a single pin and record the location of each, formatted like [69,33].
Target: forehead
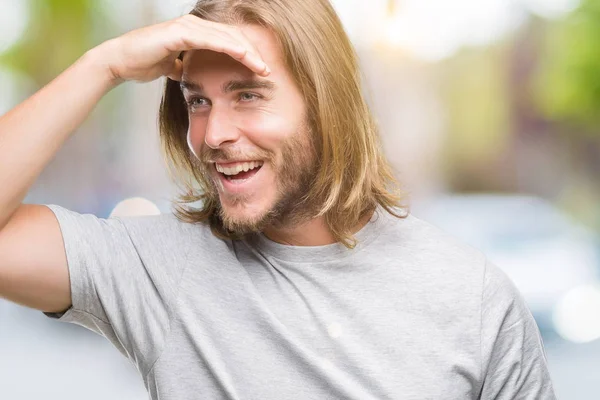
[197,62]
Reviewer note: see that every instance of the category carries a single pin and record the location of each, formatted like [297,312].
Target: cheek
[195,135]
[264,128]
[268,129]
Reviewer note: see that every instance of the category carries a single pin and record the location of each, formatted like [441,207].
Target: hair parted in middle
[353,175]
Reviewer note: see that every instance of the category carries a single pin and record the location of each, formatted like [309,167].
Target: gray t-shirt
[410,313]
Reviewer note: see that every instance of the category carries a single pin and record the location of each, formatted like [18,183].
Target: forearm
[33,132]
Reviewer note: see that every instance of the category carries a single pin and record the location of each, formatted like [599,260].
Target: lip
[229,163]
[239,187]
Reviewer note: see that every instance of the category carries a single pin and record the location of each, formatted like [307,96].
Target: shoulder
[154,233]
[166,233]
[456,272]
[445,254]
[430,248]
[501,300]
[435,272]
[165,227]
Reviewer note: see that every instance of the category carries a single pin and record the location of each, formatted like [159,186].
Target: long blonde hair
[353,176]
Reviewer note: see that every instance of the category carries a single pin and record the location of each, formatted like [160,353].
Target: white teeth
[236,169]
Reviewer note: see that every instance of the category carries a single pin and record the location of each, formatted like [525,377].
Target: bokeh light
[135,206]
[551,8]
[577,314]
[14,16]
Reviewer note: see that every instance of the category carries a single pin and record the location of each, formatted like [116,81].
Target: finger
[234,34]
[255,59]
[214,42]
[219,43]
[239,35]
[231,30]
[177,71]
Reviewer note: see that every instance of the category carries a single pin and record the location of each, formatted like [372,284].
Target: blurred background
[489,111]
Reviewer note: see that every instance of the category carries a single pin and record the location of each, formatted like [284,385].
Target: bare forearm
[33,132]
[33,262]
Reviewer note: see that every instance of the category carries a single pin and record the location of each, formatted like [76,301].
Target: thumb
[176,71]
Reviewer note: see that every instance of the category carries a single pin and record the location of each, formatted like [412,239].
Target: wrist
[97,60]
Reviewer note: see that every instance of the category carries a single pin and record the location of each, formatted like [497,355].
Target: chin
[243,216]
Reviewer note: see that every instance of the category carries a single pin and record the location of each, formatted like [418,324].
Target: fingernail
[267,69]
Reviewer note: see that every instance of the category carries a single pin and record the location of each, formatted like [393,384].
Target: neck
[313,232]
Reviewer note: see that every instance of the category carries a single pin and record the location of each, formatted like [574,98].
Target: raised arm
[33,269]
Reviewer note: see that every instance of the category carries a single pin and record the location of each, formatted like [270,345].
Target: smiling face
[251,135]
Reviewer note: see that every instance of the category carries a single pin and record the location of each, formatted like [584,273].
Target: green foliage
[568,86]
[59,32]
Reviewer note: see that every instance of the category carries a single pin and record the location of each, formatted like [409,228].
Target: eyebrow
[232,86]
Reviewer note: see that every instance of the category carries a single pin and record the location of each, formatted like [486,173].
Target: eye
[248,97]
[196,102]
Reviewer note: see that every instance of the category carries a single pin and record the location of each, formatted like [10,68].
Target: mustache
[210,155]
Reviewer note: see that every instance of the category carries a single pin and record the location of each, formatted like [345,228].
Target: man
[298,276]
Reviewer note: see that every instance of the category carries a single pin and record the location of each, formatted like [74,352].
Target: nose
[220,129]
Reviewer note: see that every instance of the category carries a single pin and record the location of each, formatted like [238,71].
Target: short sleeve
[123,280]
[513,359]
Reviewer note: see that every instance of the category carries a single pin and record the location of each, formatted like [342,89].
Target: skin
[263,119]
[33,264]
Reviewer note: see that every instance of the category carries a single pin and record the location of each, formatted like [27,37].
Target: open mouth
[240,171]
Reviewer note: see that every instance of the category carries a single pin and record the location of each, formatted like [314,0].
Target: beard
[294,172]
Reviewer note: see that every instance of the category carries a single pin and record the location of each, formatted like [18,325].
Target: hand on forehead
[260,39]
